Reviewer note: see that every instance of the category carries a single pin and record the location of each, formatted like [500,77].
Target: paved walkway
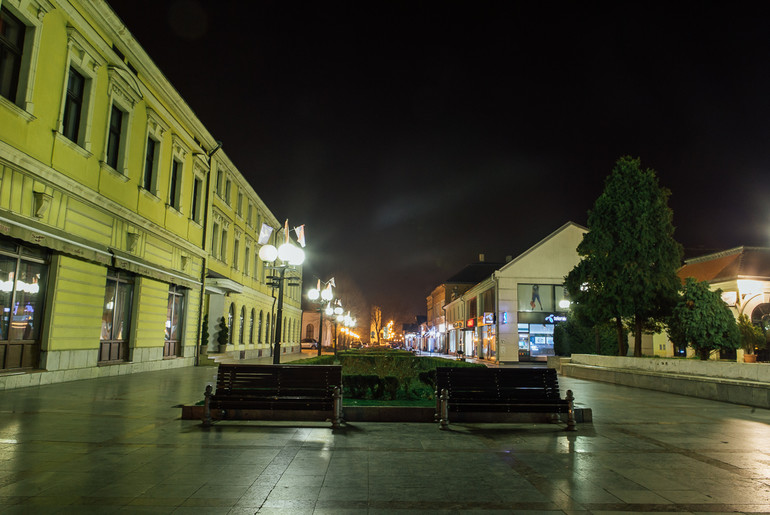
[117,445]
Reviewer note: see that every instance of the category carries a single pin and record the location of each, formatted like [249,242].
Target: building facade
[510,315]
[122,222]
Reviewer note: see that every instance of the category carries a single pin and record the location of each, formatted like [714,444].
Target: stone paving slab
[117,445]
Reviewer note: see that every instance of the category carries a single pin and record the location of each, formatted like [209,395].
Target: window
[175,186]
[73,106]
[19,47]
[197,198]
[250,218]
[174,322]
[114,137]
[240,204]
[116,317]
[220,180]
[309,330]
[241,326]
[236,251]
[11,49]
[150,165]
[251,325]
[267,330]
[23,277]
[228,188]
[230,317]
[215,240]
[246,259]
[259,327]
[223,246]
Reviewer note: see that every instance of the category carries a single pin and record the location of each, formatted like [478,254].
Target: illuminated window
[116,317]
[172,345]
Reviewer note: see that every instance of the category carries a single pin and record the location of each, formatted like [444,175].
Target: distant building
[743,275]
[510,314]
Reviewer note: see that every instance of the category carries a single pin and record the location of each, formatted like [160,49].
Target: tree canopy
[629,254]
[701,318]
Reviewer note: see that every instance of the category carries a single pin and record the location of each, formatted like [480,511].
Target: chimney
[481,258]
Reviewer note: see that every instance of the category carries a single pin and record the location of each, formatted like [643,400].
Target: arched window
[259,328]
[230,317]
[251,323]
[309,331]
[267,330]
[240,324]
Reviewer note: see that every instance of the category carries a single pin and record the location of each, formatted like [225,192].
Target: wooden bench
[312,391]
[500,390]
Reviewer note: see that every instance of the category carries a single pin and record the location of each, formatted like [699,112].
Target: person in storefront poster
[536,296]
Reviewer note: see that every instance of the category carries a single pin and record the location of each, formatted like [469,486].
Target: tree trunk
[622,343]
[637,336]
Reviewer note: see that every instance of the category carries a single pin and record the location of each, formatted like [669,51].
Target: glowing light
[564,304]
[313,294]
[268,253]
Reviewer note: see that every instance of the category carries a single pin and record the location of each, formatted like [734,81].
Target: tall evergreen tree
[629,254]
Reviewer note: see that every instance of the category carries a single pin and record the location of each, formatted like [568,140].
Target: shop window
[116,317]
[536,297]
[172,345]
[23,277]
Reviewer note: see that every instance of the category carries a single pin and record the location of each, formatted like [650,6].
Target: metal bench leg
[444,409]
[337,408]
[571,412]
[207,407]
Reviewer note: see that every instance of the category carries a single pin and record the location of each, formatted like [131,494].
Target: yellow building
[122,221]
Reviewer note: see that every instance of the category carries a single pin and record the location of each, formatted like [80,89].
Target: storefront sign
[489,318]
[504,317]
[471,322]
[459,325]
[526,317]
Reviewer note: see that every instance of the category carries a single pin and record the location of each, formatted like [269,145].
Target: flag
[264,234]
[300,235]
[286,230]
[332,283]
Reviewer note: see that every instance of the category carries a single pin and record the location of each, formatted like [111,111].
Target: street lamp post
[321,297]
[290,257]
[336,311]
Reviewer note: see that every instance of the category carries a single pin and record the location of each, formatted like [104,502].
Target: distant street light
[321,297]
[286,257]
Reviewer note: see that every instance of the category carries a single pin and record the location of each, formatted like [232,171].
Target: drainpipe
[204,267]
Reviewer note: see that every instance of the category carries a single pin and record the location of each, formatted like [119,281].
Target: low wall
[723,369]
[738,383]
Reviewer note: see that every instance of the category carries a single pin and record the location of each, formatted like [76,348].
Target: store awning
[141,267]
[29,230]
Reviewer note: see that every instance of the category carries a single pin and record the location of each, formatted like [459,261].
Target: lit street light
[286,257]
[321,297]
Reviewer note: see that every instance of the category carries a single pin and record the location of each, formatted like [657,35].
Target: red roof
[745,262]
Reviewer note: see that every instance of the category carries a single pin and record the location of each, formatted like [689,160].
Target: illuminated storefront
[537,317]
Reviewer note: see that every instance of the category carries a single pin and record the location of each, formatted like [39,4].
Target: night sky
[409,137]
